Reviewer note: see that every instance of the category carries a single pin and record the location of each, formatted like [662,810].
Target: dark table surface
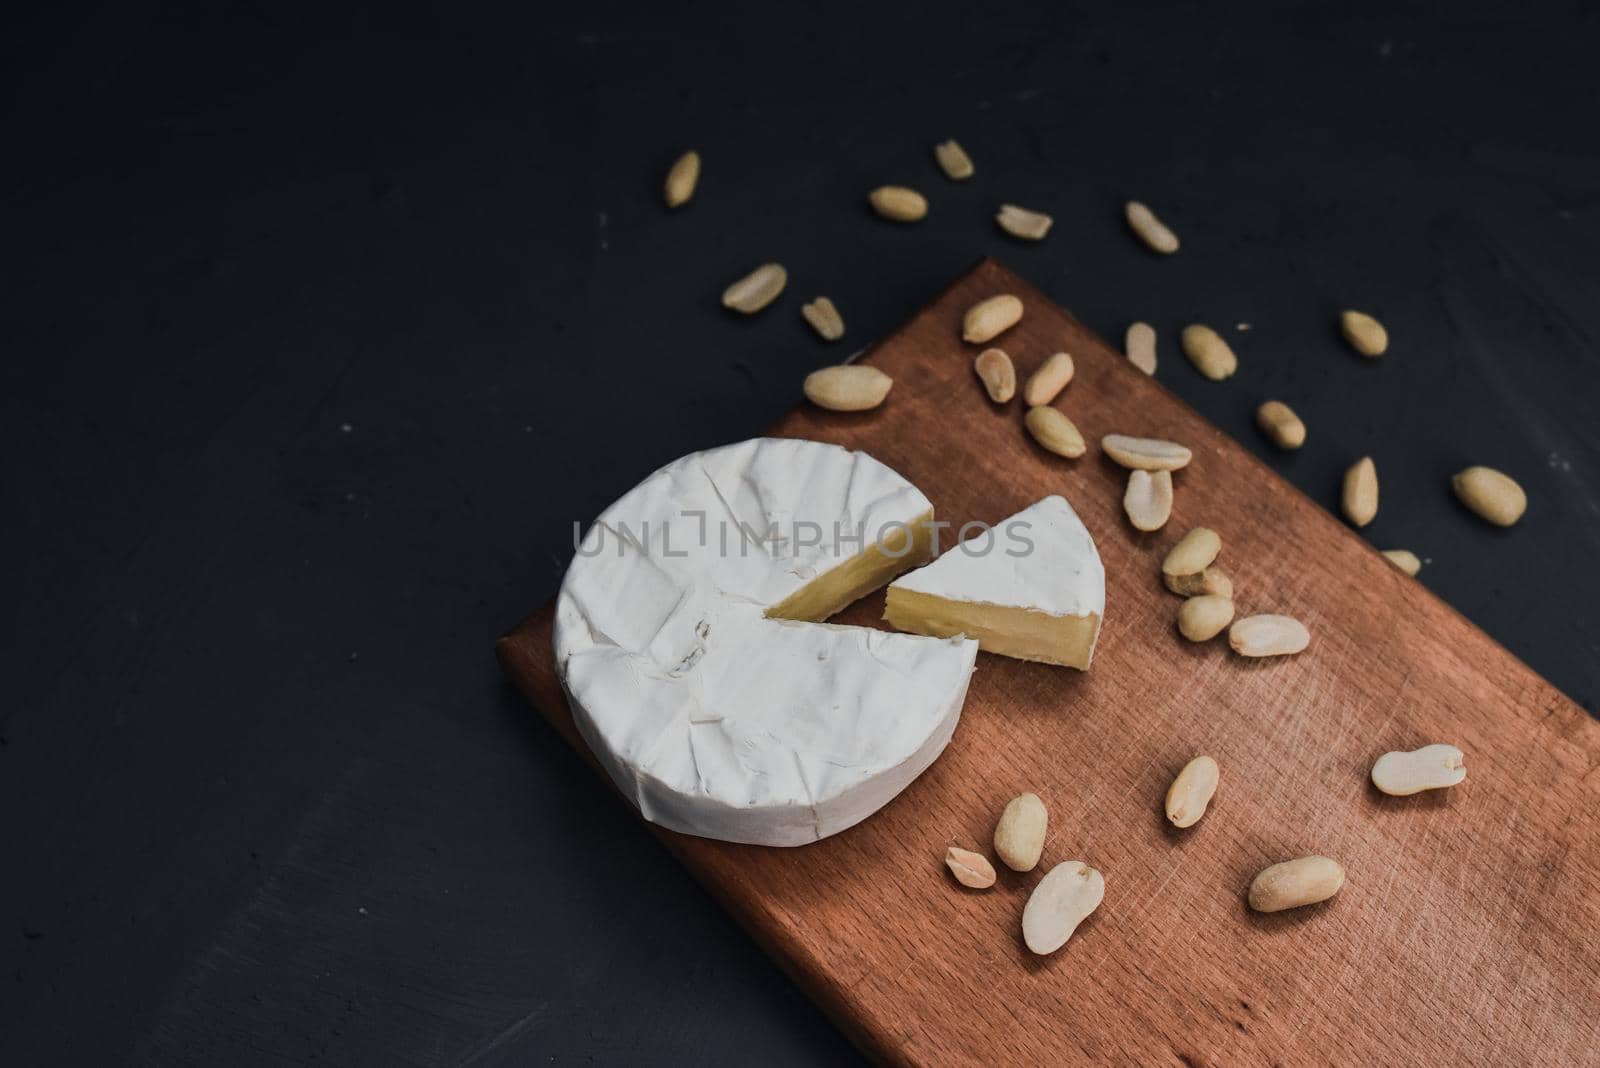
[321,331]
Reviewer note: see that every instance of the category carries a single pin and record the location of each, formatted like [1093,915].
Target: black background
[321,330]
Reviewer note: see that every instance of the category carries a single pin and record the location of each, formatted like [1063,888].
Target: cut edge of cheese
[901,548]
[1032,589]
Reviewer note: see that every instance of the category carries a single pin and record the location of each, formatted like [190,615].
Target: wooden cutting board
[1469,925]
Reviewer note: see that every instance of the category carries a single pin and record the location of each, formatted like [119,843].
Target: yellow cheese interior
[855,578]
[1017,632]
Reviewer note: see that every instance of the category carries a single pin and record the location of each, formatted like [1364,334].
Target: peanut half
[999,377]
[1433,767]
[1210,354]
[824,319]
[1147,454]
[1296,882]
[953,160]
[1268,635]
[1202,618]
[1063,899]
[1281,426]
[1019,836]
[1148,499]
[1491,495]
[1140,345]
[1359,495]
[681,180]
[1364,333]
[848,388]
[1194,552]
[1046,384]
[898,203]
[988,319]
[1020,222]
[969,868]
[1055,432]
[1192,791]
[1405,560]
[1151,230]
[1213,580]
[757,289]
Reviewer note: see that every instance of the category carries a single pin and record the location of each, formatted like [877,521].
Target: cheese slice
[1032,588]
[684,644]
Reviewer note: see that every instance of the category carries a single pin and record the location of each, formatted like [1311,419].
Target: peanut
[1046,384]
[1151,230]
[1210,354]
[999,377]
[848,388]
[1148,499]
[1268,635]
[988,319]
[1405,560]
[1433,767]
[757,289]
[1296,882]
[1063,899]
[898,203]
[953,160]
[1149,454]
[1055,432]
[1213,580]
[1359,496]
[1192,791]
[1020,222]
[1202,618]
[682,179]
[1140,345]
[1281,426]
[1019,836]
[824,319]
[1364,333]
[1491,495]
[1194,552]
[969,868]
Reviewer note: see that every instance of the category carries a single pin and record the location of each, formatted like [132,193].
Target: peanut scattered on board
[1148,498]
[1019,836]
[1064,898]
[854,387]
[1293,883]
[1433,767]
[1046,384]
[988,319]
[1268,635]
[1204,617]
[1054,432]
[1192,791]
[999,377]
[970,869]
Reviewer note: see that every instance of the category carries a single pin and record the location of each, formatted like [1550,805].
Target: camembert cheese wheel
[689,642]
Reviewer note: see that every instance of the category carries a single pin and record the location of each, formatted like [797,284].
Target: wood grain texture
[1469,926]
